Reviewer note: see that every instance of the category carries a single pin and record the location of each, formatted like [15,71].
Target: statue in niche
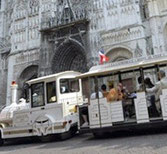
[34,6]
[33,3]
[71,10]
[138,51]
[20,4]
[148,47]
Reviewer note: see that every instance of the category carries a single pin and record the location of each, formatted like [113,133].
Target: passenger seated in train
[128,103]
[120,92]
[51,95]
[112,95]
[115,94]
[94,94]
[104,90]
[64,90]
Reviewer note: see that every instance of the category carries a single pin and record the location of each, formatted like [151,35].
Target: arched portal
[118,54]
[28,73]
[70,55]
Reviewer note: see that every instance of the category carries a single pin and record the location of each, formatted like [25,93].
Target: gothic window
[33,3]
[34,6]
[67,15]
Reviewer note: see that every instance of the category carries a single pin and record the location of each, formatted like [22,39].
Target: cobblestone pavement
[119,143]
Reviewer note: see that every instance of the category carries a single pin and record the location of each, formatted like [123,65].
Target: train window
[37,94]
[85,87]
[69,85]
[51,92]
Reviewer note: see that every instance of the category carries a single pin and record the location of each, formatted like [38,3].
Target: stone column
[154,20]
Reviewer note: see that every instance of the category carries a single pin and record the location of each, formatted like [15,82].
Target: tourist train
[50,109]
[128,94]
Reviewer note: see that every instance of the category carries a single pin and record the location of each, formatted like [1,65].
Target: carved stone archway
[70,55]
[28,73]
[118,54]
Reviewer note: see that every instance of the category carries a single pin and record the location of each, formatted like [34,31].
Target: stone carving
[122,35]
[138,51]
[70,56]
[4,45]
[65,12]
[21,3]
[149,49]
[33,7]
[33,3]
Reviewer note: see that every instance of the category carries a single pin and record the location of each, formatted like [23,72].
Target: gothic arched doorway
[28,73]
[69,56]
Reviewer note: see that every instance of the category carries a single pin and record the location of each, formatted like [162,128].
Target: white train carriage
[51,108]
[134,110]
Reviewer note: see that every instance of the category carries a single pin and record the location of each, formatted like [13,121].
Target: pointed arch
[28,73]
[119,53]
[70,55]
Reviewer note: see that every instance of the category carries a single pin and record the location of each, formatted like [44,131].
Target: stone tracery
[69,56]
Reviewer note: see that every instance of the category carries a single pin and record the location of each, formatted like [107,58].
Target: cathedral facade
[42,37]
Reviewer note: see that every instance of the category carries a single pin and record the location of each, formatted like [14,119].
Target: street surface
[132,143]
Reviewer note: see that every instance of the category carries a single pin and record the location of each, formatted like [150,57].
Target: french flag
[103,57]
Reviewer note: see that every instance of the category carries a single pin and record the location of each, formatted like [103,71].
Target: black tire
[65,136]
[69,134]
[74,130]
[98,135]
[35,139]
[47,138]
[1,140]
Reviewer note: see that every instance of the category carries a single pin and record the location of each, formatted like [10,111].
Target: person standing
[157,89]
[150,99]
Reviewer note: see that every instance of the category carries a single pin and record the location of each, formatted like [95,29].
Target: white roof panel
[53,76]
[125,65]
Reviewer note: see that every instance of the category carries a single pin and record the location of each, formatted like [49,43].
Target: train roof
[65,74]
[125,65]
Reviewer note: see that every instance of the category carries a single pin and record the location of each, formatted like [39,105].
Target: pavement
[142,142]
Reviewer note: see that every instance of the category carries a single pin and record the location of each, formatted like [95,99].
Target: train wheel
[66,135]
[1,140]
[47,138]
[69,134]
[35,139]
[98,135]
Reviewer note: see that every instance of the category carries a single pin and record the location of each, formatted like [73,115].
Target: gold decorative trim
[16,132]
